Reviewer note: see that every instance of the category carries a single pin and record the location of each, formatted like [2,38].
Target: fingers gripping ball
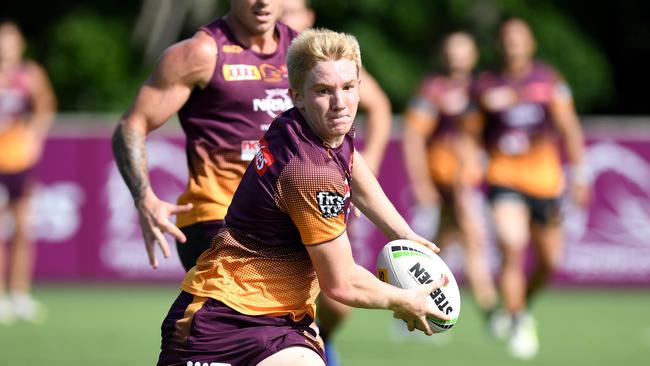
[406,264]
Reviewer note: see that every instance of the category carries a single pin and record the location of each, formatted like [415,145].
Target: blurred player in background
[226,83]
[430,143]
[27,107]
[520,111]
[378,112]
[250,298]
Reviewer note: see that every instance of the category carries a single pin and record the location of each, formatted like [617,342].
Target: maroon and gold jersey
[18,148]
[224,120]
[519,133]
[295,192]
[435,111]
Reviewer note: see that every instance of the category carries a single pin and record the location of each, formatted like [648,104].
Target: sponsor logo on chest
[275,102]
[240,72]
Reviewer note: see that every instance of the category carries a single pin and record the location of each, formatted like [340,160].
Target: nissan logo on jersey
[275,102]
[330,203]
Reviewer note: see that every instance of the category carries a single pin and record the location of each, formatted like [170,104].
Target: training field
[119,325]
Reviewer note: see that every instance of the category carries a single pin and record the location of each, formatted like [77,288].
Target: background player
[520,111]
[226,82]
[27,106]
[378,117]
[429,143]
[284,235]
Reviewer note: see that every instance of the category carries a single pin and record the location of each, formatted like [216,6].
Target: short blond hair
[318,45]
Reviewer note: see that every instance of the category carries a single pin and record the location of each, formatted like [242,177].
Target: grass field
[115,325]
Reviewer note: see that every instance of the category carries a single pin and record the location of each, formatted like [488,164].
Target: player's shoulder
[545,71]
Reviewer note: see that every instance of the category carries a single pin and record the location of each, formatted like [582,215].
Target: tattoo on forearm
[131,157]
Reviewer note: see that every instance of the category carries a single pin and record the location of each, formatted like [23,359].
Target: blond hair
[318,45]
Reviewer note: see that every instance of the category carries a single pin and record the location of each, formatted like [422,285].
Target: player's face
[11,43]
[297,15]
[257,16]
[329,99]
[460,53]
[517,41]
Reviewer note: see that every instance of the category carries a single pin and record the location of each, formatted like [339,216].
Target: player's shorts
[542,210]
[199,238]
[205,331]
[16,185]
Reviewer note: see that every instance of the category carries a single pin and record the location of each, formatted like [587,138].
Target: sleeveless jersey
[224,120]
[435,111]
[519,134]
[296,192]
[18,150]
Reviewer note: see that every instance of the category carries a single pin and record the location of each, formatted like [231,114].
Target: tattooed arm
[182,67]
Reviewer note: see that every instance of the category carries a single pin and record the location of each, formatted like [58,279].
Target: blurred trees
[89,49]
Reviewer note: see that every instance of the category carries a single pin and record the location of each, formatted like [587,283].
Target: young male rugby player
[250,298]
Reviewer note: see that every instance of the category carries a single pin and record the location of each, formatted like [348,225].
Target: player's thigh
[546,229]
[296,355]
[511,222]
[548,241]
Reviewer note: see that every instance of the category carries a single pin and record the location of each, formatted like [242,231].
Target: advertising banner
[87,227]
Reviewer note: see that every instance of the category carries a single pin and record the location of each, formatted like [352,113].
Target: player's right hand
[416,306]
[154,220]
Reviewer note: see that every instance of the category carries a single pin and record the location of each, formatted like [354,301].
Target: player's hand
[416,306]
[154,221]
[414,237]
[580,194]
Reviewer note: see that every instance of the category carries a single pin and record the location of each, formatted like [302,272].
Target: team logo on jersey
[272,73]
[499,98]
[275,102]
[263,158]
[231,48]
[241,72]
[331,204]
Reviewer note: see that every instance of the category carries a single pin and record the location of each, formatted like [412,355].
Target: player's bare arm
[184,66]
[415,152]
[372,201]
[43,102]
[344,281]
[378,112]
[567,123]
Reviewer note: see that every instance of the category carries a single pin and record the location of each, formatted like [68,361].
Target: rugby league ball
[406,264]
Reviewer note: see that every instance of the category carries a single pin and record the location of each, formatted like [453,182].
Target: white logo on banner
[612,242]
[124,250]
[55,211]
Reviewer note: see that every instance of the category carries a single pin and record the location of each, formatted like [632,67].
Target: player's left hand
[420,240]
[580,194]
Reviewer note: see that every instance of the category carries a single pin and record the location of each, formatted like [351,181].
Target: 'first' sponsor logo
[330,203]
[241,72]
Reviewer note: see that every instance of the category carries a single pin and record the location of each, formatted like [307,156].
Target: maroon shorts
[206,331]
[16,184]
[199,239]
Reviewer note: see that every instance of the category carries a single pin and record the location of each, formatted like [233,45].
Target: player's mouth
[262,16]
[338,120]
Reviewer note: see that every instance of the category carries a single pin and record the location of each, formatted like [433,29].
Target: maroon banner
[87,227]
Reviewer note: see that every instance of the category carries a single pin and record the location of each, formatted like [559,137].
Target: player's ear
[296,97]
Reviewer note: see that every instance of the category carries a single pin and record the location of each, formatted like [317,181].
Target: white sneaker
[6,312]
[524,343]
[27,309]
[500,324]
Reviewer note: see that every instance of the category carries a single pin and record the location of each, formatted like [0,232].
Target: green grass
[115,325]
